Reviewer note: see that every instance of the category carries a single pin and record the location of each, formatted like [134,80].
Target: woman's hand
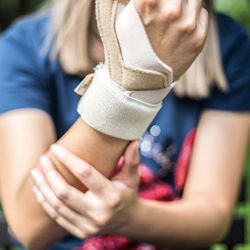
[105,208]
[177,30]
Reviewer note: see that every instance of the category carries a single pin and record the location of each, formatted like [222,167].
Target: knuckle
[103,219]
[57,205]
[149,3]
[81,235]
[85,172]
[92,230]
[54,216]
[200,41]
[115,200]
[145,5]
[63,193]
[189,27]
[172,14]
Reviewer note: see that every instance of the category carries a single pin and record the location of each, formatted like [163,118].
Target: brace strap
[129,77]
[110,109]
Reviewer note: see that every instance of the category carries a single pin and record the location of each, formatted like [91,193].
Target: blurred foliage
[10,9]
[239,9]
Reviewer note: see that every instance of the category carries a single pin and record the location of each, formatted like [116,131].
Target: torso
[166,146]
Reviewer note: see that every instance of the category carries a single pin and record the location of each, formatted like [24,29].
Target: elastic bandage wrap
[123,96]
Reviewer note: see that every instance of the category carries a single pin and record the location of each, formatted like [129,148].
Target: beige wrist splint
[118,97]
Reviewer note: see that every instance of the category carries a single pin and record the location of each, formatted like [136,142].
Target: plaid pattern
[150,188]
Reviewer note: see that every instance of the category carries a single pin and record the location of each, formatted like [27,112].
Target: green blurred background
[9,9]
[239,237]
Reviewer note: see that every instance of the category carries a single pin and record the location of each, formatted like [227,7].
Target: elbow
[222,222]
[215,226]
[29,238]
[31,243]
[28,231]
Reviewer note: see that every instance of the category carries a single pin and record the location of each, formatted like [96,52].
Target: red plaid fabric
[150,188]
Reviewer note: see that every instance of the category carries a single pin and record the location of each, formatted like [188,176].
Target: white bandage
[122,98]
[136,48]
[111,110]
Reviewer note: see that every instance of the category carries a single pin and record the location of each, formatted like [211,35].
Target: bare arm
[200,219]
[25,135]
[203,216]
[102,151]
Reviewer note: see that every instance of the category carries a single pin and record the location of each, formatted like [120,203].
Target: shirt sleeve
[235,50]
[23,82]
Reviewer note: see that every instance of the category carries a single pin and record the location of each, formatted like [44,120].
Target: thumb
[128,173]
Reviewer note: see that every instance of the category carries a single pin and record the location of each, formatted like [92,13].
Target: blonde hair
[207,69]
[70,25]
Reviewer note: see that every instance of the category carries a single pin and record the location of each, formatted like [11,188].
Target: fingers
[162,11]
[54,215]
[202,29]
[64,215]
[147,10]
[45,195]
[171,9]
[64,223]
[145,7]
[83,171]
[132,157]
[58,189]
[71,228]
[195,22]
[46,206]
[128,173]
[43,192]
[203,20]
[191,14]
[194,6]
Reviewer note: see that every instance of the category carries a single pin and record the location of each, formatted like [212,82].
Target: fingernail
[37,193]
[56,150]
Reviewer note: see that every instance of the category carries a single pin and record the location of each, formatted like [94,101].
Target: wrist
[110,109]
[132,219]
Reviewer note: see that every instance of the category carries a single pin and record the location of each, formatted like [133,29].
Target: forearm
[30,224]
[100,150]
[185,224]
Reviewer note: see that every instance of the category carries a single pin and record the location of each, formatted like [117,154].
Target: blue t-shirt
[30,79]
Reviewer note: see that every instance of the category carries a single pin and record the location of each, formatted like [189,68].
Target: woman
[213,125]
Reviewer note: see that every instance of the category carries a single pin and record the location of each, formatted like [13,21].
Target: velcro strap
[109,109]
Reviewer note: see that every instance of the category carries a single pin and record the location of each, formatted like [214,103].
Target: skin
[21,153]
[113,207]
[103,194]
[171,24]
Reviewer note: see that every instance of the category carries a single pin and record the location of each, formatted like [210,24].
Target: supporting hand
[105,208]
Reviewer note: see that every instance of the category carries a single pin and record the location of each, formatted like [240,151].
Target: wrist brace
[122,99]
